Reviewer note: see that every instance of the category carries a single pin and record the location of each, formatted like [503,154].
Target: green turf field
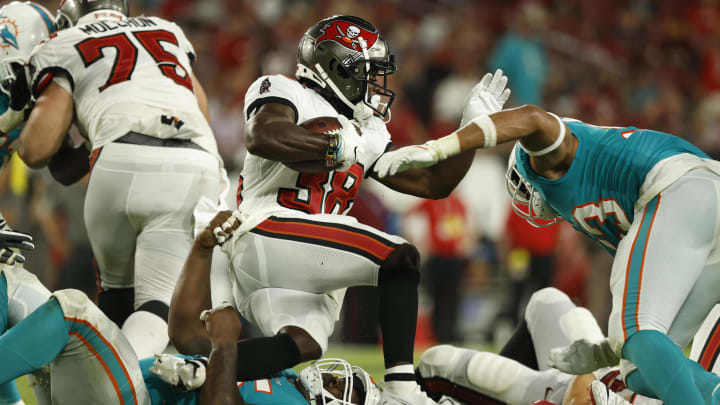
[367,357]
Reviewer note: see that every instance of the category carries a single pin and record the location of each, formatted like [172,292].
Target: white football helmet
[526,201]
[312,379]
[23,26]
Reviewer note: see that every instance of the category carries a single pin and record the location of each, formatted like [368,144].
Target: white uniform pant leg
[293,270]
[139,214]
[98,365]
[112,235]
[662,263]
[542,315]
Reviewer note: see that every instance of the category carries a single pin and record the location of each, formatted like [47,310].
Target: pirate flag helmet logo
[347,61]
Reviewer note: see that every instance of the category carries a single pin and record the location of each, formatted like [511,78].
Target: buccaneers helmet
[317,376]
[342,57]
[70,11]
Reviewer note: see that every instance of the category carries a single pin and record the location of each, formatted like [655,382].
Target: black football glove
[12,244]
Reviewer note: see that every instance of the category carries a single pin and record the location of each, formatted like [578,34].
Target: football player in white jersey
[127,85]
[297,252]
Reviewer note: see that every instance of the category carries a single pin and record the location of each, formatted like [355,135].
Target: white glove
[179,372]
[350,144]
[601,395]
[405,158]
[583,357]
[486,97]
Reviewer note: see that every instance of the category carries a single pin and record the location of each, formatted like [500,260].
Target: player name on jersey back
[110,25]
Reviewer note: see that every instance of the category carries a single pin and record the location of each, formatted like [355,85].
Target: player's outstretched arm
[192,291]
[224,327]
[46,127]
[437,181]
[434,182]
[542,134]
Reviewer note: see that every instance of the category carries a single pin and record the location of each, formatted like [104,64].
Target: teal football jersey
[278,390]
[7,141]
[597,195]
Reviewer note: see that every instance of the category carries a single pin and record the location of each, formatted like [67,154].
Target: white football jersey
[268,186]
[126,75]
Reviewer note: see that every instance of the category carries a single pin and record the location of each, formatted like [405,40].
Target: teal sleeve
[3,304]
[34,342]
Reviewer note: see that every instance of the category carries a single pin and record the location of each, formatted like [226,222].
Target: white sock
[147,333]
[405,371]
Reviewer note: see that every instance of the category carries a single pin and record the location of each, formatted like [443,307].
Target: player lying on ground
[155,165]
[519,374]
[629,189]
[92,363]
[298,250]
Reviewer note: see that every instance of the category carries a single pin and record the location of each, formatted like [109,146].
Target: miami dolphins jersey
[278,390]
[7,141]
[598,193]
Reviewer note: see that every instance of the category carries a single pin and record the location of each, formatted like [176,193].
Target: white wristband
[487,125]
[554,145]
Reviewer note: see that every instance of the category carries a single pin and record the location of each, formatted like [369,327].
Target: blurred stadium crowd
[649,63]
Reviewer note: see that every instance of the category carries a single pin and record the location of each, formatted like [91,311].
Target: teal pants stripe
[633,281]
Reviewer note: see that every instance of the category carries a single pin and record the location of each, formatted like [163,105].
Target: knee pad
[542,298]
[579,323]
[404,261]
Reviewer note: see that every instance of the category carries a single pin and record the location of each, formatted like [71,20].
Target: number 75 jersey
[125,75]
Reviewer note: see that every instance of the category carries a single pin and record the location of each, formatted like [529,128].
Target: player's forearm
[220,387]
[509,125]
[46,127]
[283,141]
[190,297]
[433,182]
